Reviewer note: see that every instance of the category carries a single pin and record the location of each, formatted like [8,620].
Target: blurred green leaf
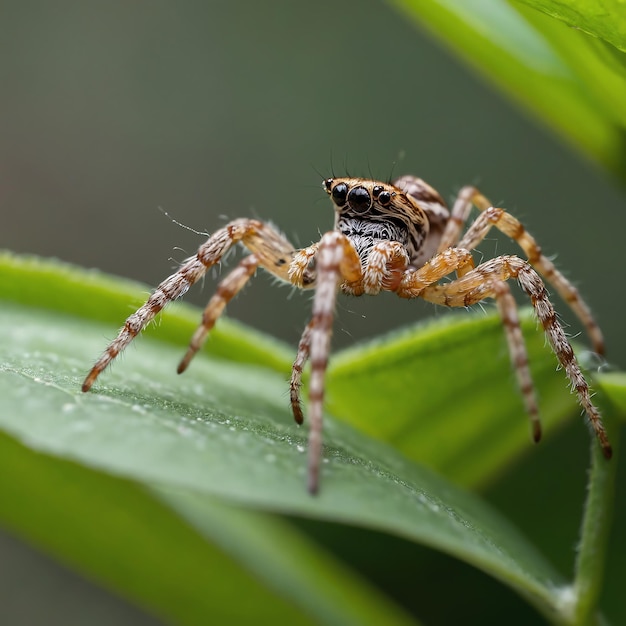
[563,76]
[296,569]
[224,430]
[117,533]
[605,19]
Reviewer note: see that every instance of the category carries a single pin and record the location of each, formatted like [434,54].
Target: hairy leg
[450,260]
[270,248]
[337,261]
[481,283]
[226,291]
[507,308]
[302,356]
[491,216]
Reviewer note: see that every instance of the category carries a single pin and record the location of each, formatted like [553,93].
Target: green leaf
[225,572]
[605,19]
[224,430]
[566,78]
[91,294]
[443,391]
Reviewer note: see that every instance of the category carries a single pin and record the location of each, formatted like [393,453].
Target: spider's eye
[359,200]
[340,193]
[384,198]
[376,191]
[328,185]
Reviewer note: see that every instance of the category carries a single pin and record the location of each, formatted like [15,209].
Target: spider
[397,237]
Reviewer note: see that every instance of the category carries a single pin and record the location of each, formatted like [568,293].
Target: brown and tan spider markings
[396,237]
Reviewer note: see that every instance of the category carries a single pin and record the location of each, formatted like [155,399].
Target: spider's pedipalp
[384,269]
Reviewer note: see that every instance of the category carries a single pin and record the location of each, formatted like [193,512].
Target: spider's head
[370,210]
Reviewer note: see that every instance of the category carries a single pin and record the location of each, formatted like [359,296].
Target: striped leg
[483,282]
[451,260]
[269,247]
[337,261]
[302,356]
[459,215]
[507,308]
[226,291]
[460,260]
[512,227]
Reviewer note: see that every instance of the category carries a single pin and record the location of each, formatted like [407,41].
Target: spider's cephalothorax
[369,212]
[397,237]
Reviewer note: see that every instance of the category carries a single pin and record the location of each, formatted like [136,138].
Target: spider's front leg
[384,269]
[269,249]
[336,261]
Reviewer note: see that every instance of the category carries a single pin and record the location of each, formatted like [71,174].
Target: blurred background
[112,112]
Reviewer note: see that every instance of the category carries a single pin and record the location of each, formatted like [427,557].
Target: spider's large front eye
[340,193]
[359,200]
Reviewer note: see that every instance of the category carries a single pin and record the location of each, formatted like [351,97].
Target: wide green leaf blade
[224,430]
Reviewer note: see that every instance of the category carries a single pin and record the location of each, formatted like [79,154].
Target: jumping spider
[396,237]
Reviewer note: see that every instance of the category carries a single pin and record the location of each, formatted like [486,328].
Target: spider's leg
[512,227]
[273,251]
[461,261]
[451,260]
[337,260]
[482,282]
[302,356]
[460,212]
[302,273]
[517,351]
[384,270]
[234,282]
